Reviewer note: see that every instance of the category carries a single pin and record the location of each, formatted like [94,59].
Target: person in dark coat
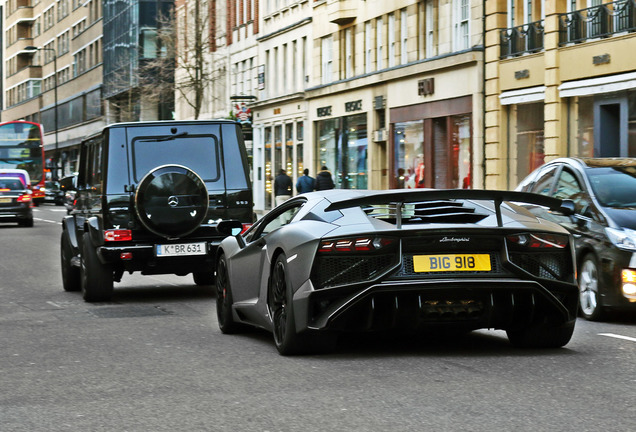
[282,187]
[324,180]
[305,183]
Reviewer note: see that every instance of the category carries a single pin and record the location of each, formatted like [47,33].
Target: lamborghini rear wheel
[542,335]
[281,309]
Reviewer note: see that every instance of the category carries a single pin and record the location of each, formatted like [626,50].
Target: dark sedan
[15,202]
[343,260]
[604,228]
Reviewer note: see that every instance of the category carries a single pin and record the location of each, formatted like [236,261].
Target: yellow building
[560,80]
[396,99]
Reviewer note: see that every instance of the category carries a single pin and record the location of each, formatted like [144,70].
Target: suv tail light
[117,235]
[539,240]
[358,244]
[24,198]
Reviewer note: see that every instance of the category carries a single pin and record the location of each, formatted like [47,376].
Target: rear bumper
[8,214]
[144,258]
[416,305]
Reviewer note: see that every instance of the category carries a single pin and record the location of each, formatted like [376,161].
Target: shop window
[268,167]
[289,149]
[409,154]
[278,148]
[342,148]
[631,126]
[526,144]
[583,118]
[460,152]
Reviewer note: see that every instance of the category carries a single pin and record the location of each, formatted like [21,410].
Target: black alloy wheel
[281,310]
[70,275]
[227,325]
[96,278]
[542,335]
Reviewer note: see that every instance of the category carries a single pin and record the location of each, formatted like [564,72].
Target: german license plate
[451,262]
[5,200]
[181,249]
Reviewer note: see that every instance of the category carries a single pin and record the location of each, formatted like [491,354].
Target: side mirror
[567,207]
[67,184]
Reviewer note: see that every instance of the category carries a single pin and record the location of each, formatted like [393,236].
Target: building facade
[384,94]
[280,111]
[138,73]
[67,63]
[560,81]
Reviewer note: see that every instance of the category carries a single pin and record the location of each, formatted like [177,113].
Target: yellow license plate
[5,200]
[451,262]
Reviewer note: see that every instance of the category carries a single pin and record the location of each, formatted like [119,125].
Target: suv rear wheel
[96,278]
[70,274]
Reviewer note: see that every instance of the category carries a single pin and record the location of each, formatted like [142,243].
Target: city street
[154,359]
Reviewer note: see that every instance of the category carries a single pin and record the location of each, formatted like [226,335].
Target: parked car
[604,228]
[15,201]
[154,197]
[68,185]
[53,193]
[352,260]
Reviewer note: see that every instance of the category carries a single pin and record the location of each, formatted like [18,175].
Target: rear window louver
[426,212]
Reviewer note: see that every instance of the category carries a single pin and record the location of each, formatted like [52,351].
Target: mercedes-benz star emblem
[173,201]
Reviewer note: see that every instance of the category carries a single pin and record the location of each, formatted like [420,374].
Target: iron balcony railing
[598,21]
[522,39]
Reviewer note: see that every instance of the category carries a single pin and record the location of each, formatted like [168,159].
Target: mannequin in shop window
[419,171]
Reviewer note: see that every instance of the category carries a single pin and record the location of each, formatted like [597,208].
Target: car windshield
[614,186]
[10,184]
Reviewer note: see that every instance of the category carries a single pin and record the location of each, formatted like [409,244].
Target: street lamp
[34,48]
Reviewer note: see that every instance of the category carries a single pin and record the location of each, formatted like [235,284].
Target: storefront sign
[353,106]
[601,59]
[426,87]
[521,74]
[324,111]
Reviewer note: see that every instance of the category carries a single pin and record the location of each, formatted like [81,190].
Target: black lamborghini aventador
[349,260]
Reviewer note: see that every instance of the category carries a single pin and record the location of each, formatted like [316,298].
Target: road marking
[631,339]
[48,221]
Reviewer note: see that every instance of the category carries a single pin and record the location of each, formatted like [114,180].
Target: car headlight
[622,238]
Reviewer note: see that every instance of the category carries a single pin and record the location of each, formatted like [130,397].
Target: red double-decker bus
[21,147]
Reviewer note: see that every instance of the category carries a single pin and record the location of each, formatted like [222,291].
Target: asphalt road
[154,359]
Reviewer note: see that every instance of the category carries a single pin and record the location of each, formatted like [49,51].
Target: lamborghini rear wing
[401,197]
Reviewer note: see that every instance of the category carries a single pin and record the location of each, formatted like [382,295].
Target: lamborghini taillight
[539,240]
[354,244]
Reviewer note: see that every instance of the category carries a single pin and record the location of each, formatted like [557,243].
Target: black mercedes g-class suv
[155,197]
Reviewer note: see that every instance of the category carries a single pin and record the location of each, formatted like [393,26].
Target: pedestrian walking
[305,183]
[324,180]
[282,187]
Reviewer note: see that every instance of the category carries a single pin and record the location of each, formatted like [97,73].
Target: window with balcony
[431,28]
[600,20]
[461,24]
[391,39]
[326,53]
[368,47]
[378,44]
[527,37]
[404,36]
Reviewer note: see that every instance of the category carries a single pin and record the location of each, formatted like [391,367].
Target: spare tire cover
[171,201]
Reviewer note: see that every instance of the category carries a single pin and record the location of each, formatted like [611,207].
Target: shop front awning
[527,95]
[593,86]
